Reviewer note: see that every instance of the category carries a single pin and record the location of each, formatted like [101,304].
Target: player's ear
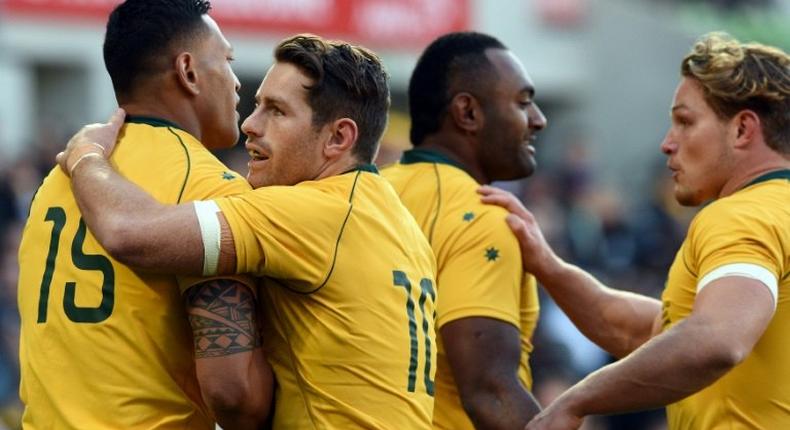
[748,127]
[186,72]
[344,134]
[466,112]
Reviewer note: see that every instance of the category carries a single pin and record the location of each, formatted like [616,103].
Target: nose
[249,125]
[236,83]
[668,145]
[537,121]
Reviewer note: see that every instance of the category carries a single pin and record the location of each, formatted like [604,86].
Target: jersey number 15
[82,261]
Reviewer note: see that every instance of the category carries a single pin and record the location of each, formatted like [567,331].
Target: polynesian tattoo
[222,315]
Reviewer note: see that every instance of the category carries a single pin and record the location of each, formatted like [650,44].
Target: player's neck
[338,166]
[751,171]
[165,112]
[459,151]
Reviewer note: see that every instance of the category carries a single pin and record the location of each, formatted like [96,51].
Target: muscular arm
[484,355]
[130,224]
[617,321]
[235,379]
[729,317]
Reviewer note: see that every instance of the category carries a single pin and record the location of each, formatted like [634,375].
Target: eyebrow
[272,100]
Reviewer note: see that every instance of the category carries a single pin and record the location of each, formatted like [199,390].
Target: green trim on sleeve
[189,164]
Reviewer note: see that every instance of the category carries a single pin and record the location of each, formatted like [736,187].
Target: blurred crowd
[628,241]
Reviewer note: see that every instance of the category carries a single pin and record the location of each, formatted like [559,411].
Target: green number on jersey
[426,289]
[83,262]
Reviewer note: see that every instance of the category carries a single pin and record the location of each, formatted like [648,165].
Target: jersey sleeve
[208,178]
[290,233]
[480,271]
[726,234]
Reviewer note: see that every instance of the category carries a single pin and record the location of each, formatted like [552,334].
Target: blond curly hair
[736,76]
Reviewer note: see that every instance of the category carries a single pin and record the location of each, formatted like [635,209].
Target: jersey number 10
[81,261]
[426,289]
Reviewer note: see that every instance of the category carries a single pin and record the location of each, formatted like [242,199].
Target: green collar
[419,155]
[366,167]
[155,122]
[776,174]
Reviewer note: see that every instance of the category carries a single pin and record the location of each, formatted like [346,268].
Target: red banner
[390,23]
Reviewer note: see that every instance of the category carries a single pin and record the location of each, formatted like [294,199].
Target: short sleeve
[208,178]
[480,271]
[730,234]
[286,232]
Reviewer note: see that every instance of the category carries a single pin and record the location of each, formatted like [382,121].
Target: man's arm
[617,321]
[484,356]
[131,225]
[235,379]
[729,317]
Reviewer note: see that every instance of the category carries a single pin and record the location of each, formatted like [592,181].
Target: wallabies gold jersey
[750,227]
[102,346]
[349,301]
[478,260]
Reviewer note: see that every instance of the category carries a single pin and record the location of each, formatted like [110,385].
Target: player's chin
[526,166]
[686,197]
[255,180]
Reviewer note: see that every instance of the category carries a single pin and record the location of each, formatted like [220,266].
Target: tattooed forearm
[222,315]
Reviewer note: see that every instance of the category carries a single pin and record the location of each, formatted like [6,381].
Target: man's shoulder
[462,206]
[738,209]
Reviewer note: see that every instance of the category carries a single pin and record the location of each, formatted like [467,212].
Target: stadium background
[605,71]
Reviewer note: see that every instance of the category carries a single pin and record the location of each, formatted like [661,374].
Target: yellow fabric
[135,369]
[337,323]
[750,226]
[479,266]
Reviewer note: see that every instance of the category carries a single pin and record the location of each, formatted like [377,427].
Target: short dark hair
[735,76]
[140,32]
[451,60]
[349,81]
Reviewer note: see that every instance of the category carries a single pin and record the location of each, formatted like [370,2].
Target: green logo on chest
[492,254]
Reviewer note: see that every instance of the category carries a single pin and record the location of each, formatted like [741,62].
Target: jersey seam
[337,242]
[189,164]
[438,202]
[685,263]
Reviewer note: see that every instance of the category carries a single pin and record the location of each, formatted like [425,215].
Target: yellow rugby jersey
[103,347]
[750,226]
[478,260]
[348,301]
